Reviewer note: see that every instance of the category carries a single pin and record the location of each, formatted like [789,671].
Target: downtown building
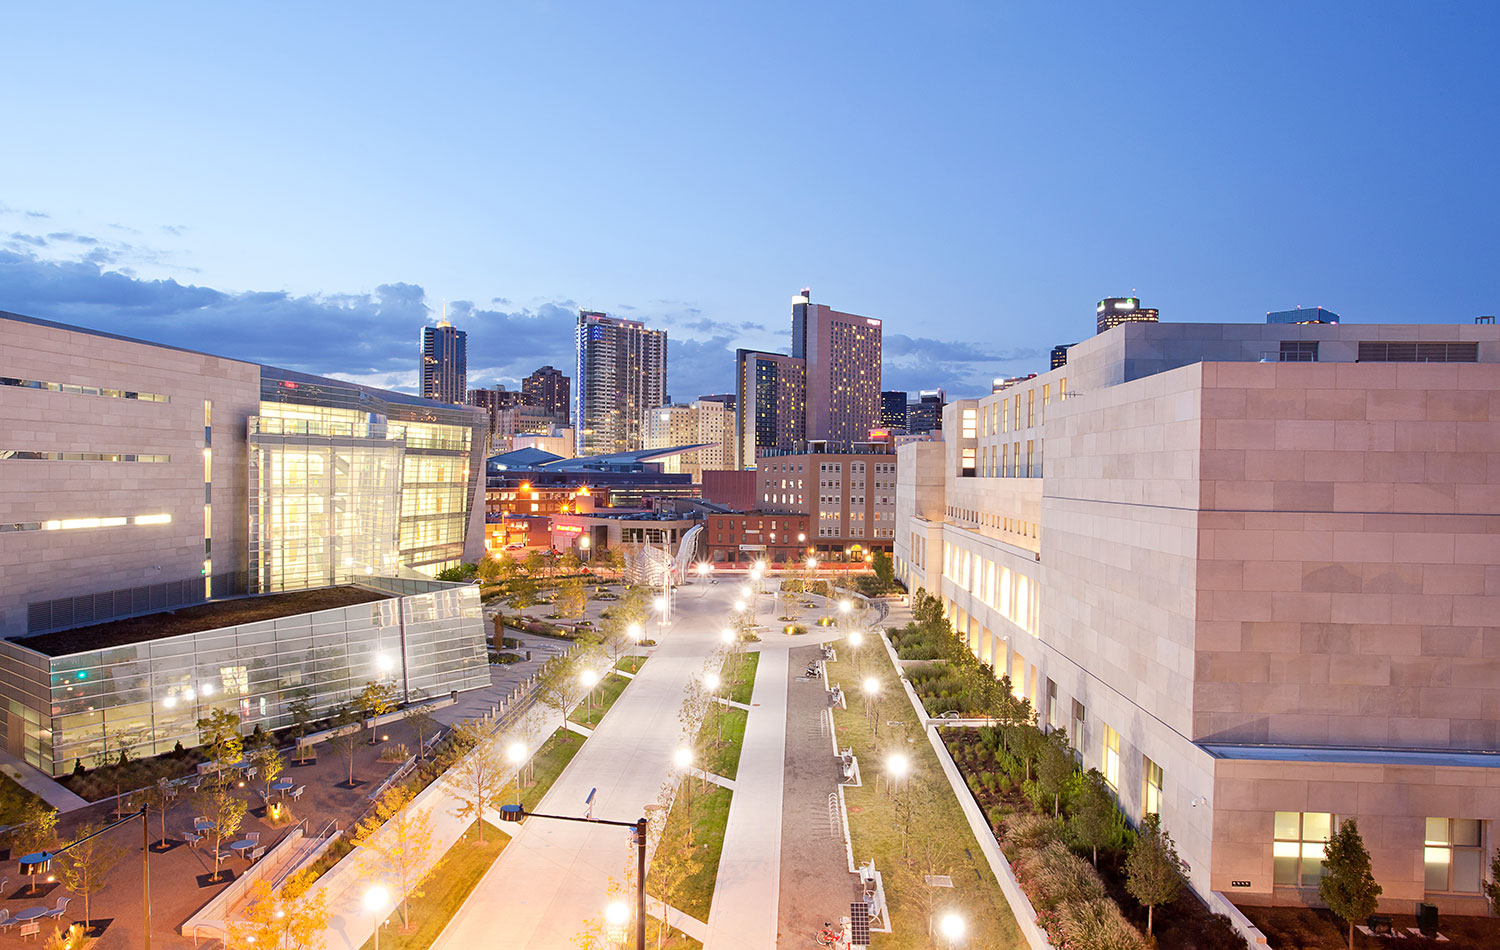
[140,478]
[707,424]
[621,378]
[848,499]
[549,390]
[445,367]
[1251,570]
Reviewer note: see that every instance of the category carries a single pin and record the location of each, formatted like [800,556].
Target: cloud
[35,240]
[71,237]
[37,214]
[960,368]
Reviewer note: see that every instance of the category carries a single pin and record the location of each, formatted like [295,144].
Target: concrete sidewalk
[42,786]
[746,892]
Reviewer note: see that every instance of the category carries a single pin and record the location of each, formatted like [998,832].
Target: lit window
[1111,759]
[1298,848]
[1452,856]
[1151,795]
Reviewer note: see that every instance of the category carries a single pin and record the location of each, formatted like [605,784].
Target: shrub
[1058,876]
[1095,924]
[1031,831]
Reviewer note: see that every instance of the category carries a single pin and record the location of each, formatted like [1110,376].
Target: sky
[306,184]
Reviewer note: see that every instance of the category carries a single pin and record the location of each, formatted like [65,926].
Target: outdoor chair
[31,929]
[199,819]
[253,836]
[251,772]
[297,792]
[60,909]
[192,838]
[255,854]
[6,921]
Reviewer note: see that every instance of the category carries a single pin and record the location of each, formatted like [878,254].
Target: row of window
[82,390]
[21,455]
[68,524]
[1452,851]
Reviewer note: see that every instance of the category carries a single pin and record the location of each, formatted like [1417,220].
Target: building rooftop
[196,619]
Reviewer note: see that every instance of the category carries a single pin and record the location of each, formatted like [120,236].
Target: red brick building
[745,537]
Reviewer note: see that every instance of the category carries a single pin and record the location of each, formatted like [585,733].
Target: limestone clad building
[1254,570]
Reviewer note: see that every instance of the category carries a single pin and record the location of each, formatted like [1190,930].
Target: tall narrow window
[1151,792]
[208,498]
[1297,851]
[1111,758]
[1053,715]
[1030,407]
[1005,415]
[1077,723]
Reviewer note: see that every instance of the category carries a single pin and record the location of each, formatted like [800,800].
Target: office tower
[1299,315]
[1114,311]
[1060,355]
[706,423]
[445,375]
[622,375]
[1260,598]
[893,409]
[841,352]
[771,395]
[926,414]
[549,390]
[727,400]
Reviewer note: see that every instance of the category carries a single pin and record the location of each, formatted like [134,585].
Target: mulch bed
[1305,928]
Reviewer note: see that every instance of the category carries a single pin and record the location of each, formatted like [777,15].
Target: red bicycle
[828,937]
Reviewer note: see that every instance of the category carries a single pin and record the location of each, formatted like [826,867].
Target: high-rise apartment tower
[548,389]
[622,375]
[445,373]
[841,352]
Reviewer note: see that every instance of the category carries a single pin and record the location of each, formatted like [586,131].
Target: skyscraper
[445,374]
[841,352]
[926,413]
[1060,354]
[705,422]
[548,389]
[893,409]
[622,375]
[771,396]
[1113,311]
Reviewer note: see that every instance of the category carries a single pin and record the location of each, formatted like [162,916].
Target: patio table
[30,913]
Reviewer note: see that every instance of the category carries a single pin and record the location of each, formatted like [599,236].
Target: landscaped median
[431,908]
[910,821]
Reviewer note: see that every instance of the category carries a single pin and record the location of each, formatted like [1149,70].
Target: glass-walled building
[79,694]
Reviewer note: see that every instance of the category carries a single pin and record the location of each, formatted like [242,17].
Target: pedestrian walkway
[42,786]
[748,886]
[554,875]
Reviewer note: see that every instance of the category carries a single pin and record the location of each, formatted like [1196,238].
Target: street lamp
[516,754]
[376,900]
[661,608]
[952,928]
[588,678]
[616,916]
[872,692]
[856,639]
[636,632]
[728,635]
[683,758]
[711,681]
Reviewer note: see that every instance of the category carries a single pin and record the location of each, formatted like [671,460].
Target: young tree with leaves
[345,741]
[84,867]
[1054,768]
[571,598]
[222,743]
[159,798]
[226,812]
[523,591]
[1349,887]
[419,718]
[285,919]
[570,562]
[398,840]
[1153,871]
[558,686]
[1095,817]
[674,859]
[536,563]
[374,701]
[300,708]
[885,571]
[270,764]
[37,830]
[617,642]
[480,776]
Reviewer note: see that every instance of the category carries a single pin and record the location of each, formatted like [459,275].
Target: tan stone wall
[43,565]
[1350,555]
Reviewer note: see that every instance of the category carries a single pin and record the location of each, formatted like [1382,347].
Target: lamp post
[616,916]
[516,755]
[952,929]
[662,604]
[588,678]
[872,692]
[638,838]
[376,900]
[39,861]
[711,683]
[636,631]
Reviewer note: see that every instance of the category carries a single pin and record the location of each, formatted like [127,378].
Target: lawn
[723,755]
[548,764]
[935,823]
[739,674]
[710,812]
[461,869]
[605,693]
[676,939]
[631,664]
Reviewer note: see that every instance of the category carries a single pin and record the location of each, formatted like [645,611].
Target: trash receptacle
[1427,919]
[528,654]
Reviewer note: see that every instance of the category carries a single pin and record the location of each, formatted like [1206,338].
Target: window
[1030,407]
[1151,792]
[1298,847]
[1052,711]
[1005,415]
[970,423]
[1383,351]
[1299,351]
[1111,760]
[1452,856]
[1075,726]
[968,464]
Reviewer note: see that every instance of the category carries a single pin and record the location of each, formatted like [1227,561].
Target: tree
[1492,886]
[159,798]
[480,776]
[38,829]
[885,571]
[571,598]
[1153,871]
[1094,814]
[219,735]
[398,839]
[614,559]
[374,701]
[570,563]
[1054,768]
[225,814]
[617,642]
[300,708]
[636,607]
[523,590]
[488,569]
[285,919]
[1349,887]
[673,860]
[930,856]
[558,686]
[536,563]
[419,718]
[84,867]
[345,742]
[270,764]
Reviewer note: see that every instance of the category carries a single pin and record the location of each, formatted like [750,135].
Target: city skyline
[981,236]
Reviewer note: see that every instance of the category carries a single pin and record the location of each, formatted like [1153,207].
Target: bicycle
[828,937]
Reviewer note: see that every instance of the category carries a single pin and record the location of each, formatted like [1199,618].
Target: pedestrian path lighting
[588,678]
[636,631]
[872,693]
[856,639]
[728,635]
[896,767]
[683,758]
[661,605]
[952,928]
[516,755]
[711,681]
[616,917]
[376,900]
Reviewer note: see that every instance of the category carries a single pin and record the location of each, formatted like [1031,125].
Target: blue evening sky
[302,184]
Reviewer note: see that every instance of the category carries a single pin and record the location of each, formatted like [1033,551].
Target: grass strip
[605,693]
[431,909]
[631,664]
[709,809]
[739,673]
[725,729]
[547,765]
[936,831]
[675,939]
